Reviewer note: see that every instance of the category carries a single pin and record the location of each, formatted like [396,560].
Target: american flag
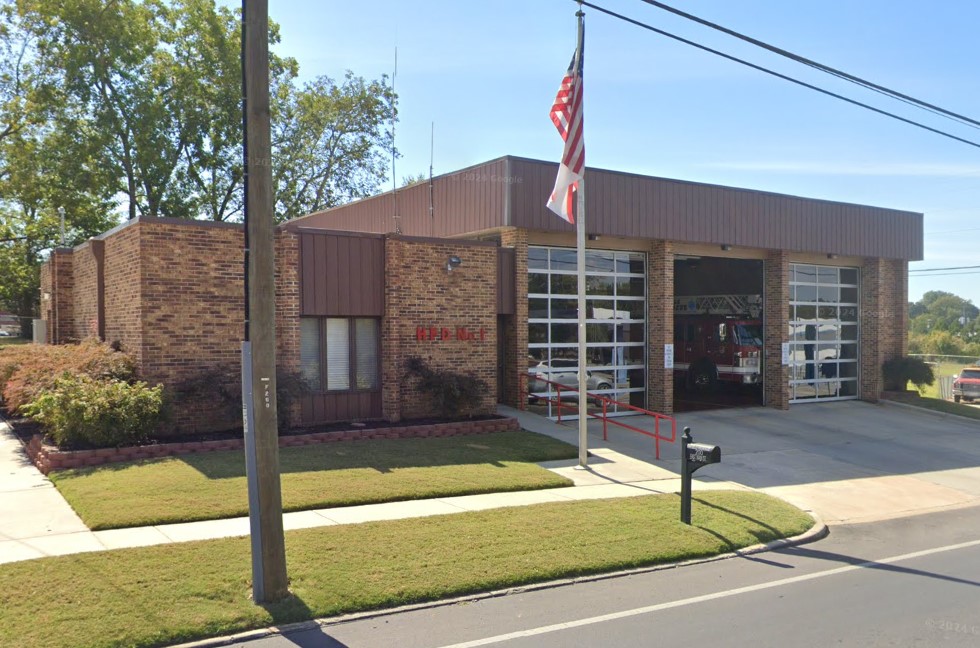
[566,113]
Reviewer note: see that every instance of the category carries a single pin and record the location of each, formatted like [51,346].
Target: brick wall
[60,313]
[776,314]
[192,317]
[515,355]
[884,320]
[287,308]
[660,330]
[85,319]
[419,292]
[123,291]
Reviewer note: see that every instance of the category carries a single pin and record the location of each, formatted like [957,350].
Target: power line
[823,68]
[951,268]
[778,75]
[943,274]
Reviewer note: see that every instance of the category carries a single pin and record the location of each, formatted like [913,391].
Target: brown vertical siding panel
[321,274]
[506,276]
[344,276]
[333,278]
[307,292]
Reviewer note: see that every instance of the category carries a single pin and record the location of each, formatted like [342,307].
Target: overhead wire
[948,114]
[950,268]
[778,74]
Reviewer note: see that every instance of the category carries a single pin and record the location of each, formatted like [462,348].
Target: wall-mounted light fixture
[453,262]
[831,256]
[726,247]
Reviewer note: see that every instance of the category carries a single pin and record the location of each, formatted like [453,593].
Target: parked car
[966,386]
[565,372]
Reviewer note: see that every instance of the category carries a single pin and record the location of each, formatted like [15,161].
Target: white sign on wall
[668,356]
[785,353]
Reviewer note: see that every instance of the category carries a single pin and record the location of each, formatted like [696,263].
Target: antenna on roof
[394,178]
[432,209]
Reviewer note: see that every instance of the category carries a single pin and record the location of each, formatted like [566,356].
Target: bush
[222,390]
[452,391]
[27,371]
[899,372]
[81,410]
[85,411]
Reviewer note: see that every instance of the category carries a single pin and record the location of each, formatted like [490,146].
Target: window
[340,353]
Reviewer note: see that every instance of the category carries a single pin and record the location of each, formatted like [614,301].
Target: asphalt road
[912,581]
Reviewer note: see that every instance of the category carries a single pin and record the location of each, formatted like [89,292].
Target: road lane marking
[624,614]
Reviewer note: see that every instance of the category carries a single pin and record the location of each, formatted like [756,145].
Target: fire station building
[695,293]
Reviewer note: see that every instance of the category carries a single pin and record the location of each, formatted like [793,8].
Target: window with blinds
[340,353]
[309,351]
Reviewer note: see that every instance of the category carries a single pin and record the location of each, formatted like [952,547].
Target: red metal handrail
[606,419]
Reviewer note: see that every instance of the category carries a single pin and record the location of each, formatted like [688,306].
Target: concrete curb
[818,531]
[890,403]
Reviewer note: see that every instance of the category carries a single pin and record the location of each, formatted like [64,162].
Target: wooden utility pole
[269,580]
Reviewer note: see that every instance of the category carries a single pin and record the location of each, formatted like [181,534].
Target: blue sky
[486,72]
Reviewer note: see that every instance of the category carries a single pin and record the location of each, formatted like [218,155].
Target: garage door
[615,324]
[823,333]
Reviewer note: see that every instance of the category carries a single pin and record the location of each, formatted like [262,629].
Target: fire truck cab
[717,338]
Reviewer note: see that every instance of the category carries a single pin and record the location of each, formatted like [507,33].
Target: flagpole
[583,379]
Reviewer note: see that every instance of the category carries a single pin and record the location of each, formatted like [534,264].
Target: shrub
[81,410]
[291,386]
[899,372]
[451,390]
[223,392]
[33,368]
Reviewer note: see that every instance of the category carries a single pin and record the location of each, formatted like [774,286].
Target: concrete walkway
[35,521]
[846,462]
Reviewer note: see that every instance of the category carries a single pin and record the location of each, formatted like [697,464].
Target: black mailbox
[693,456]
[702,454]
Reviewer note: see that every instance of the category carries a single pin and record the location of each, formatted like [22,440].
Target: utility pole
[269,580]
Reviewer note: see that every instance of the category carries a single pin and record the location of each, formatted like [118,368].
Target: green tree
[332,143]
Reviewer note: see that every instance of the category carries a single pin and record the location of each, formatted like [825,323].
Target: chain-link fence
[945,367]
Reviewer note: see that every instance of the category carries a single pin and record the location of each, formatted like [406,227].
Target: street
[899,582]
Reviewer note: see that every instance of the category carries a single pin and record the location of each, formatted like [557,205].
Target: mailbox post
[693,456]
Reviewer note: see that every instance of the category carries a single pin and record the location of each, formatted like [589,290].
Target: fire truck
[717,339]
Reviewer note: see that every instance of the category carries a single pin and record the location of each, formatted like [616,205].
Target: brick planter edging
[48,458]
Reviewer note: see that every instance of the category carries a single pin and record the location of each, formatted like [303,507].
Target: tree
[135,105]
[332,143]
[415,179]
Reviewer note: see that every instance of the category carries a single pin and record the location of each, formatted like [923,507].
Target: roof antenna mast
[394,178]
[432,209]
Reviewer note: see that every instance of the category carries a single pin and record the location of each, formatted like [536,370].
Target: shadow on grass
[386,455]
[761,536]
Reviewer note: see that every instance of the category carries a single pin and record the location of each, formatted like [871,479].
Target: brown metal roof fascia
[463,201]
[443,241]
[634,206]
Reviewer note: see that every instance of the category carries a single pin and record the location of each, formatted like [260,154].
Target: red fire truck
[717,338]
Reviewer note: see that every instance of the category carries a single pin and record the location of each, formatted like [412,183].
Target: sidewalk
[35,521]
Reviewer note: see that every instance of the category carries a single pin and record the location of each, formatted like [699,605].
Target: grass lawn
[173,593]
[212,485]
[940,369]
[947,407]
